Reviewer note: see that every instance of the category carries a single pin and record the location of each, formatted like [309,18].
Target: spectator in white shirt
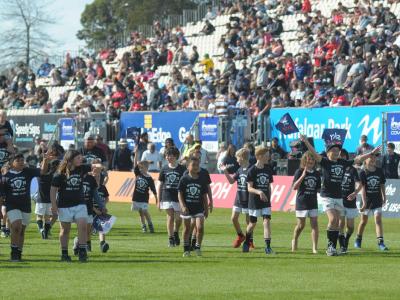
[152,157]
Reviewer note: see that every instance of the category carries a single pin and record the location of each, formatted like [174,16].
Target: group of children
[69,191]
[73,192]
[183,194]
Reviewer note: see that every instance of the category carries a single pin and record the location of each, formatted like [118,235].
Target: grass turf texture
[140,266]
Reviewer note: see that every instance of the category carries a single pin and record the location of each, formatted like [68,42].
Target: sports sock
[347,236]
[342,240]
[248,238]
[47,227]
[89,244]
[64,252]
[197,246]
[39,224]
[268,242]
[380,240]
[240,233]
[82,248]
[186,246]
[102,243]
[359,237]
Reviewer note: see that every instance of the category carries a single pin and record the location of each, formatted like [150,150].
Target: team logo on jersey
[74,181]
[18,183]
[262,179]
[242,180]
[337,170]
[193,190]
[2,155]
[85,189]
[311,182]
[141,183]
[373,182]
[172,178]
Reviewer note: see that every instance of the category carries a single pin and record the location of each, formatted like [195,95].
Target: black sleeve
[349,163]
[86,168]
[271,175]
[324,162]
[363,177]
[152,186]
[251,175]
[161,176]
[318,180]
[236,175]
[382,175]
[182,184]
[33,172]
[207,176]
[297,175]
[58,180]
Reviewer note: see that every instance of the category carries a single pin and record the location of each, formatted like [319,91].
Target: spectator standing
[122,160]
[152,157]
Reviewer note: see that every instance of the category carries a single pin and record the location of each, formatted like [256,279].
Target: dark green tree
[103,19]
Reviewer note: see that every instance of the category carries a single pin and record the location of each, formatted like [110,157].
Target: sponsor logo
[367,128]
[27,129]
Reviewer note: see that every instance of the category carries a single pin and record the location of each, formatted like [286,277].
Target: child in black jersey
[349,194]
[169,178]
[44,217]
[242,195]
[205,175]
[193,201]
[15,186]
[307,183]
[333,168]
[373,198]
[259,180]
[67,200]
[140,199]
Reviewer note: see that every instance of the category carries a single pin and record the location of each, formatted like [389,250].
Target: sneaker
[104,247]
[89,247]
[144,228]
[3,234]
[357,244]
[171,243]
[245,247]
[252,246]
[66,258]
[382,247]
[151,228]
[238,241]
[177,240]
[331,251]
[193,245]
[268,250]
[343,250]
[198,252]
[44,235]
[14,257]
[76,246]
[82,256]
[186,254]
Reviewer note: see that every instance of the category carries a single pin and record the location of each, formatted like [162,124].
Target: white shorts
[170,205]
[350,213]
[139,206]
[332,203]
[186,217]
[72,214]
[266,211]
[240,210]
[372,212]
[43,209]
[307,213]
[90,219]
[16,214]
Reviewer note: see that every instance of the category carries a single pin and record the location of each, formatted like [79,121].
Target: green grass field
[140,266]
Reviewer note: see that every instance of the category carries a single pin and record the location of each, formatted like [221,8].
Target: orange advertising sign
[120,186]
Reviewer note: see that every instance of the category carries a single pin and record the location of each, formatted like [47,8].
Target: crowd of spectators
[348,58]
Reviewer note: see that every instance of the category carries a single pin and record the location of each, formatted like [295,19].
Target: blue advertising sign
[160,125]
[393,127]
[312,122]
[208,133]
[67,132]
